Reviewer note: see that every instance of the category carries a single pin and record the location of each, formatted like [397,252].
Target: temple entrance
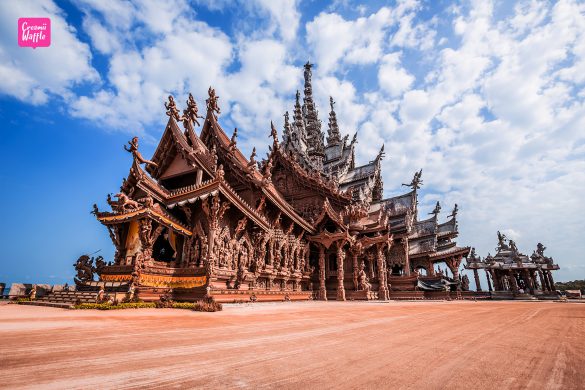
[163,249]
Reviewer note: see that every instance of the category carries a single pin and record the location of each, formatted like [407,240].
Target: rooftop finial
[136,154]
[212,102]
[455,211]
[273,134]
[416,181]
[286,132]
[381,153]
[192,111]
[436,210]
[234,140]
[252,163]
[172,109]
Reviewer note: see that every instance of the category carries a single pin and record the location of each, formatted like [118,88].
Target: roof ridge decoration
[233,141]
[211,102]
[192,111]
[133,149]
[287,131]
[331,213]
[312,177]
[274,135]
[436,210]
[416,182]
[455,211]
[172,110]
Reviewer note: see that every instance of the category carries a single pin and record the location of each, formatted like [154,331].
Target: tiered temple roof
[305,202]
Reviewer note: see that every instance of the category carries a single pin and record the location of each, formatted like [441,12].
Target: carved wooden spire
[313,125]
[286,132]
[298,122]
[333,136]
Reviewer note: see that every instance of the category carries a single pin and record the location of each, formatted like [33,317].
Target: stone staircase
[64,299]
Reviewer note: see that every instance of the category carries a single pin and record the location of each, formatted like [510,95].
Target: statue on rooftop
[455,211]
[502,241]
[192,111]
[437,209]
[252,164]
[124,203]
[273,134]
[416,180]
[212,102]
[172,109]
[136,154]
[233,141]
[513,246]
[473,256]
[540,249]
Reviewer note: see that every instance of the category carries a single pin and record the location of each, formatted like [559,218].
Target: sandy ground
[418,345]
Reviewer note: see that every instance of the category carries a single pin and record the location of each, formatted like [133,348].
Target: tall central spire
[313,125]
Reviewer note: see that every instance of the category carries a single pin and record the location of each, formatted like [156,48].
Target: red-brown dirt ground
[398,345]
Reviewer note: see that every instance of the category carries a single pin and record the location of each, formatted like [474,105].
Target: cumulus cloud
[334,39]
[392,77]
[32,75]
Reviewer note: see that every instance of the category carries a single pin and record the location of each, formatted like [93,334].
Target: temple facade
[511,274]
[200,219]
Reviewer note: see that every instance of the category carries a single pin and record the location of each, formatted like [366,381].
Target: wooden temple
[200,219]
[511,274]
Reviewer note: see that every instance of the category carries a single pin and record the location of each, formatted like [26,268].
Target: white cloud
[392,77]
[31,75]
[190,58]
[284,15]
[334,39]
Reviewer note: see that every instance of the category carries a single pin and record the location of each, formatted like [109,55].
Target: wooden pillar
[454,267]
[340,275]
[543,285]
[513,283]
[382,289]
[552,282]
[476,277]
[355,269]
[199,177]
[322,288]
[407,257]
[529,282]
[489,283]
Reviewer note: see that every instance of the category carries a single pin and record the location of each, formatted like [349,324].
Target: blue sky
[486,97]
